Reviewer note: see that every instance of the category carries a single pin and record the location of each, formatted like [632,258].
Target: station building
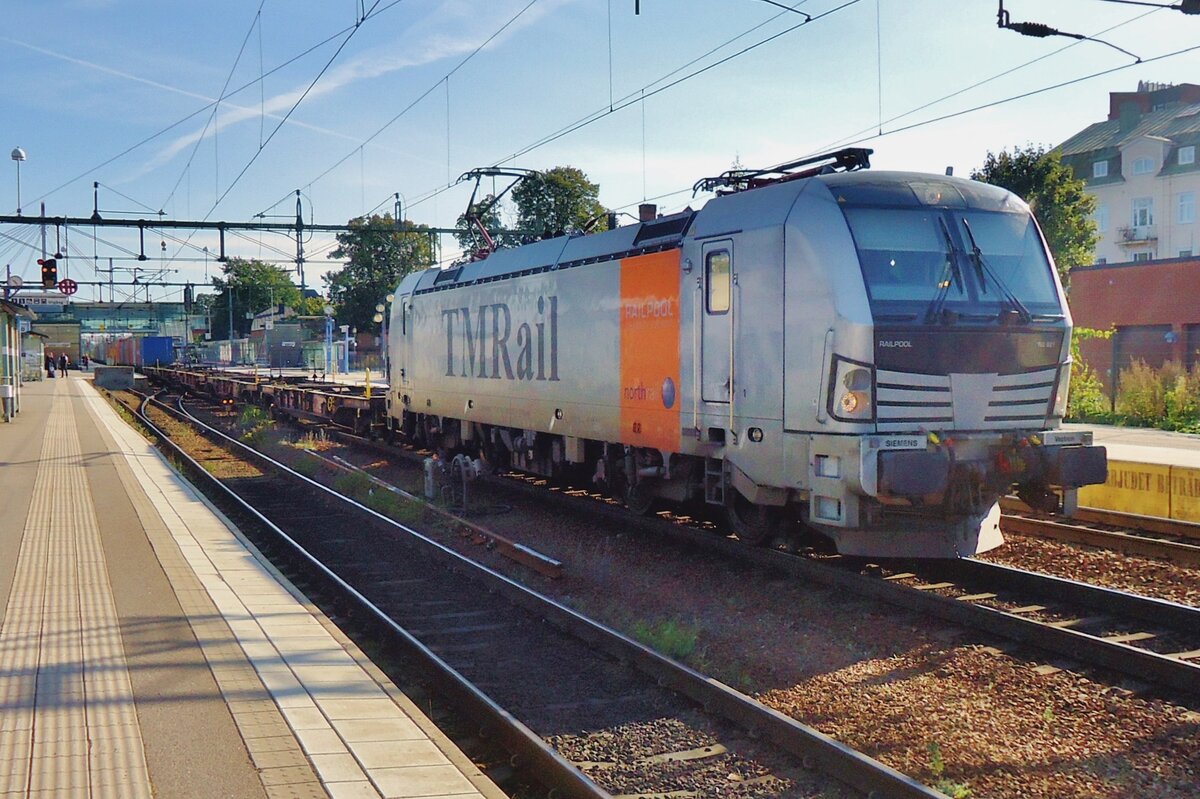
[13,321]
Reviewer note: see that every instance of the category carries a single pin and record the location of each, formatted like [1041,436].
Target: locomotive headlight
[1061,390]
[850,395]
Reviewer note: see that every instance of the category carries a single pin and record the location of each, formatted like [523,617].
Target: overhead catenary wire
[1030,93]
[654,88]
[296,105]
[197,112]
[216,106]
[371,12]
[432,88]
[1186,6]
[854,137]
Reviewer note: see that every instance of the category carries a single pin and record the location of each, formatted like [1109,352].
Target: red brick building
[1154,306]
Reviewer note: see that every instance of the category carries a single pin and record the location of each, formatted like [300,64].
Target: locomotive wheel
[640,498]
[755,525]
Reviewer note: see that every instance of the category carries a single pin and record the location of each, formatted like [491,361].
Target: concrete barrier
[114,378]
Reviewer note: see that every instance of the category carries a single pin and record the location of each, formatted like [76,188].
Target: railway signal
[68,286]
[49,272]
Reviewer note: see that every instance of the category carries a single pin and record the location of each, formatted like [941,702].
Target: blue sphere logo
[668,393]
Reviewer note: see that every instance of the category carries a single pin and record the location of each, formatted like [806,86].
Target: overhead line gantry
[299,227]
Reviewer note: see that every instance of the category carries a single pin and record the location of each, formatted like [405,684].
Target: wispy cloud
[245,111]
[454,29]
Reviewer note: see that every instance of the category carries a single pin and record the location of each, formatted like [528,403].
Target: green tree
[1056,196]
[249,286]
[310,306]
[558,200]
[378,253]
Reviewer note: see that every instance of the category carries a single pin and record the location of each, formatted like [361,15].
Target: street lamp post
[18,155]
[381,318]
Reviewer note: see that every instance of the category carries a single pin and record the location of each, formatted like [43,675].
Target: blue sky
[87,80]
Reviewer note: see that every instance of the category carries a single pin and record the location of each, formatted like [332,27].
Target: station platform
[1146,445]
[1150,472]
[147,650]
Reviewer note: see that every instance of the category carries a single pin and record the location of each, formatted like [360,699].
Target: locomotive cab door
[716,322]
[402,360]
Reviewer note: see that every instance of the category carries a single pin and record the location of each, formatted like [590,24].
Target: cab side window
[717,279]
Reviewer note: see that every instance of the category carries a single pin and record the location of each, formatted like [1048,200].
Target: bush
[1086,399]
[1142,394]
[252,416]
[1167,398]
[254,424]
[1183,399]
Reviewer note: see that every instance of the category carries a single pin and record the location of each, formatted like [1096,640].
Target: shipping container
[157,351]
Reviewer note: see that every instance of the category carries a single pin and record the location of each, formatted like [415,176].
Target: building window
[1185,253]
[1187,208]
[1143,166]
[1187,155]
[1143,211]
[1101,260]
[1141,256]
[1101,218]
[1100,169]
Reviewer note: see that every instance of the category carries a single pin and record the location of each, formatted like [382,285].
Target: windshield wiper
[981,267]
[952,272]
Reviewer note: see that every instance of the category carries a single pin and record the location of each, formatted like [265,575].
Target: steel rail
[1129,543]
[552,768]
[813,747]
[1150,524]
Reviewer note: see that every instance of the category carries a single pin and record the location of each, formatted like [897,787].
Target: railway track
[1165,539]
[588,710]
[1150,640]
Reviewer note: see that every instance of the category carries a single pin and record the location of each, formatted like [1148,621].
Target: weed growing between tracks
[359,487]
[937,766]
[255,424]
[672,638]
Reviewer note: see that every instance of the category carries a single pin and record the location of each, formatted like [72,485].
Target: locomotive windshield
[919,262]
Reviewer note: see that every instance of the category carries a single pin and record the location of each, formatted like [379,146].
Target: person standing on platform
[62,364]
[49,364]
[84,362]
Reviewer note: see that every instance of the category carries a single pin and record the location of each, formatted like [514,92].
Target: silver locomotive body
[881,354]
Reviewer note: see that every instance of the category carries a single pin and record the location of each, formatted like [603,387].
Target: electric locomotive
[881,355]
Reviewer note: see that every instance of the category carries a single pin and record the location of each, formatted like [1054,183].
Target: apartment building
[1141,165]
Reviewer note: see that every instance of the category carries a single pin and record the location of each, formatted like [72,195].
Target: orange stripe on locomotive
[650,350]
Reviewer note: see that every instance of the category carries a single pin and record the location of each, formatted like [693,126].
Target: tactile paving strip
[69,726]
